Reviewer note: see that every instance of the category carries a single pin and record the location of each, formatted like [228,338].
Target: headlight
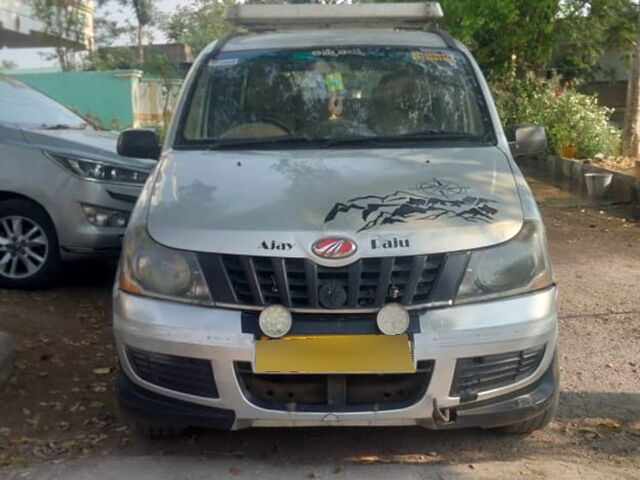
[517,266]
[99,170]
[148,268]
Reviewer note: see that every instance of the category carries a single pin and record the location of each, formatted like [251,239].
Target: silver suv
[337,234]
[64,192]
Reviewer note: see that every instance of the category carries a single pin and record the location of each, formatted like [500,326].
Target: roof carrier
[386,15]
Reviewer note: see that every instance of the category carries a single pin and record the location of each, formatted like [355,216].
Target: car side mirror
[526,139]
[139,143]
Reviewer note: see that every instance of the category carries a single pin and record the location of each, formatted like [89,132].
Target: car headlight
[98,170]
[518,266]
[148,268]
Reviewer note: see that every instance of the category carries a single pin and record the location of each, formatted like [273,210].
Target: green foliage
[504,34]
[586,29]
[524,36]
[197,23]
[144,11]
[7,65]
[570,117]
[125,58]
[112,58]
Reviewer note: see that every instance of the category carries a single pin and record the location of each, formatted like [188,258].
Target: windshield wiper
[326,142]
[259,142]
[62,126]
[425,136]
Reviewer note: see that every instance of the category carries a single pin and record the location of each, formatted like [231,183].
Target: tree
[65,22]
[197,23]
[144,16]
[631,131]
[505,35]
[7,65]
[539,36]
[586,29]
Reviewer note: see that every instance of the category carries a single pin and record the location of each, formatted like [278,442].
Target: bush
[570,118]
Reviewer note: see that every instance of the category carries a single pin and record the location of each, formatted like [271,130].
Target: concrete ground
[59,419]
[6,357]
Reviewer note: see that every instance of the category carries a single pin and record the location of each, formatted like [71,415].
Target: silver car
[64,191]
[337,234]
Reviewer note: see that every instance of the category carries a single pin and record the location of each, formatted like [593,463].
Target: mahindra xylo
[336,234]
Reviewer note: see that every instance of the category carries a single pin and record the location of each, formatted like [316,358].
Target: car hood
[389,201]
[97,144]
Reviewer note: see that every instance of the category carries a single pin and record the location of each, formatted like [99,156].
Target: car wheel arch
[9,195]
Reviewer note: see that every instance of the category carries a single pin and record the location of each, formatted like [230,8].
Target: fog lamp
[393,319]
[275,321]
[105,217]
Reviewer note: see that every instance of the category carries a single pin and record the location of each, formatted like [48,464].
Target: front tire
[29,252]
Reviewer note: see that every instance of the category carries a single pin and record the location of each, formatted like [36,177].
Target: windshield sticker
[336,52]
[333,81]
[429,200]
[224,62]
[432,57]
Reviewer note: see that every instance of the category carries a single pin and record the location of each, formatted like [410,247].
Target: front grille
[181,374]
[478,374]
[335,393]
[367,283]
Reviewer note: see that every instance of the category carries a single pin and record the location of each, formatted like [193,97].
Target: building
[19,28]
[610,84]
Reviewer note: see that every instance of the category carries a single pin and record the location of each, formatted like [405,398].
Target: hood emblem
[334,247]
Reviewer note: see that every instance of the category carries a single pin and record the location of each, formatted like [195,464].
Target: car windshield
[25,107]
[329,96]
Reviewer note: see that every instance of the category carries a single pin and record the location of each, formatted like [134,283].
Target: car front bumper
[77,237]
[445,335]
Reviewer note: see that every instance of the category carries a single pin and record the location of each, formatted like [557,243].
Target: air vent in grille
[479,374]
[182,374]
[299,283]
[334,393]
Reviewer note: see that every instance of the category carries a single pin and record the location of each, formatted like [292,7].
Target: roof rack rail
[257,17]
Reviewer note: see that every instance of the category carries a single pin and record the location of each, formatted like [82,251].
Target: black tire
[543,418]
[49,269]
[158,431]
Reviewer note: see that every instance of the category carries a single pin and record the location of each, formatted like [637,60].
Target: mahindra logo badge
[334,247]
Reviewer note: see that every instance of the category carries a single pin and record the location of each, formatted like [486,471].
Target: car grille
[335,393]
[181,374]
[367,283]
[478,374]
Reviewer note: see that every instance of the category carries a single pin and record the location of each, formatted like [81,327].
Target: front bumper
[445,335]
[77,237]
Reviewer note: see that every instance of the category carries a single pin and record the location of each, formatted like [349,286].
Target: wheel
[29,255]
[158,431]
[543,418]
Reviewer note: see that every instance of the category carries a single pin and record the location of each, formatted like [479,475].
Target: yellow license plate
[335,354]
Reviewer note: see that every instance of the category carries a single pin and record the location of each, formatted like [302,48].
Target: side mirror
[526,139]
[139,143]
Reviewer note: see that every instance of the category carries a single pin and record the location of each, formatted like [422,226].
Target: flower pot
[568,151]
[598,184]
